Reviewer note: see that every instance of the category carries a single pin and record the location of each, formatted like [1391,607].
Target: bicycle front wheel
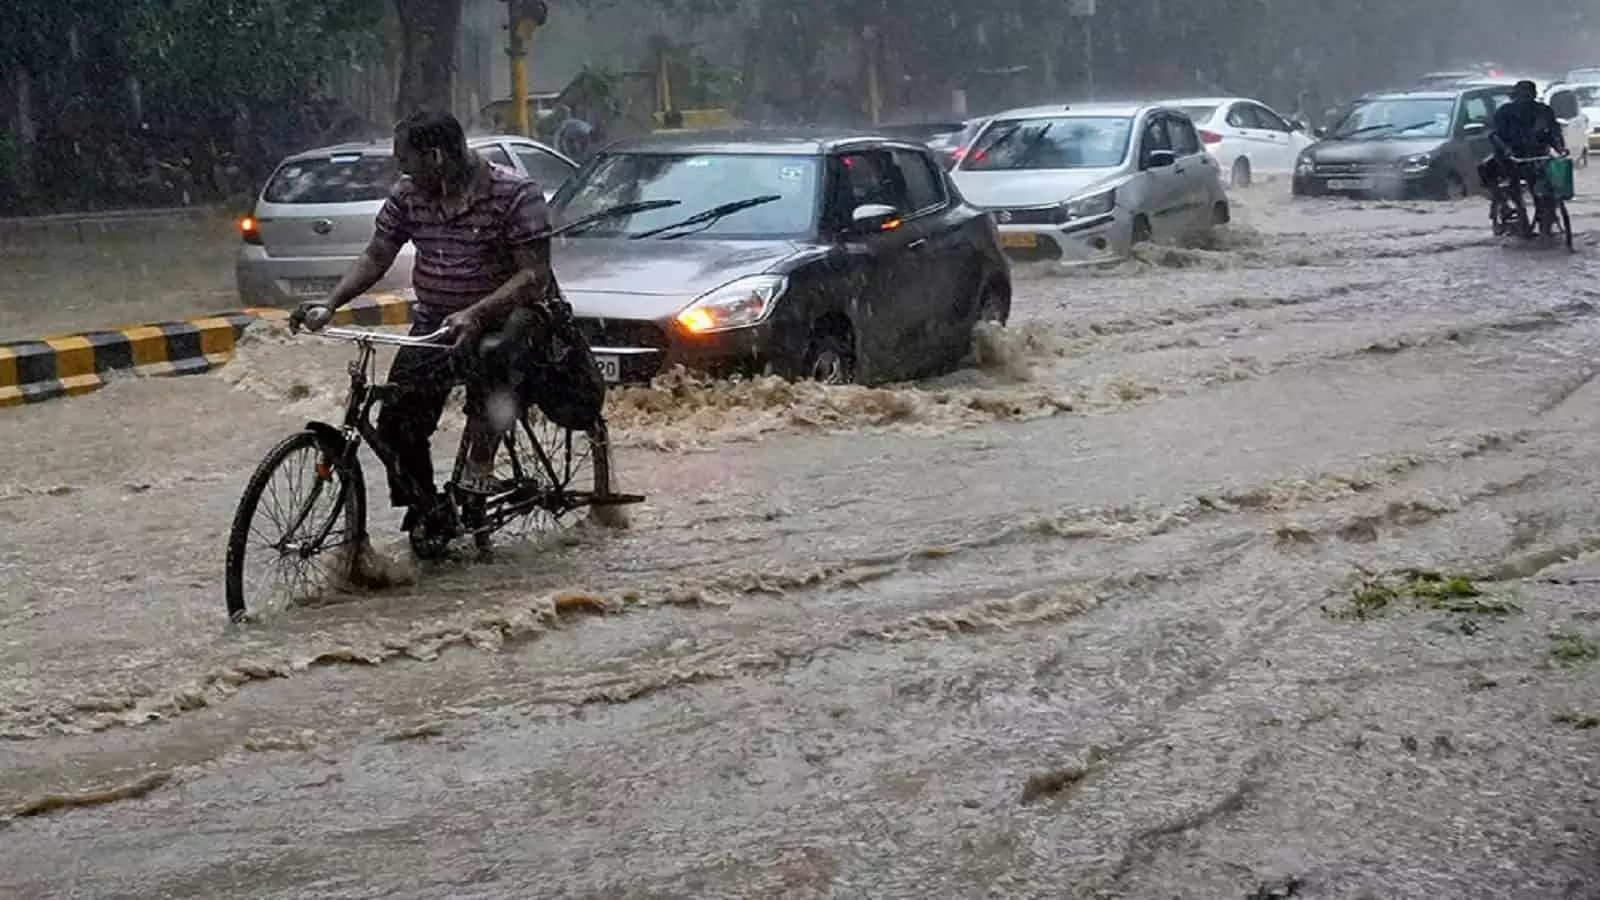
[298,530]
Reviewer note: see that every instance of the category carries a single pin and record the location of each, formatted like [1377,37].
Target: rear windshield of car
[351,178]
[1587,94]
[1068,142]
[1383,119]
[1198,114]
[698,181]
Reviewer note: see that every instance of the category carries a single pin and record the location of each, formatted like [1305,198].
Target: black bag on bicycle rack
[565,382]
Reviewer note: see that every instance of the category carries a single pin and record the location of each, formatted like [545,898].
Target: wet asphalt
[1129,608]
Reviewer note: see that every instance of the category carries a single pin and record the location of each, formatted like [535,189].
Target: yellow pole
[665,77]
[874,93]
[521,32]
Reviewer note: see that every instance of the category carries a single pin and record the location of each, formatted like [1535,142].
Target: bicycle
[538,482]
[1550,210]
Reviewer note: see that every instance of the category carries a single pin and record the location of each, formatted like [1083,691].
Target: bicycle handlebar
[362,335]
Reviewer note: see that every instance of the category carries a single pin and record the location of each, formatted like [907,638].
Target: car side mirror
[1474,128]
[1160,159]
[873,218]
[1319,132]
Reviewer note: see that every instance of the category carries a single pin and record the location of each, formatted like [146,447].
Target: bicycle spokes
[294,528]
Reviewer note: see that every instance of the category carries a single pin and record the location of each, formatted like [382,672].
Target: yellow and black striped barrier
[32,371]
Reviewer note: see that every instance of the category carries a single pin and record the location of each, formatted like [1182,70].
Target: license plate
[312,287]
[1022,240]
[610,368]
[1349,184]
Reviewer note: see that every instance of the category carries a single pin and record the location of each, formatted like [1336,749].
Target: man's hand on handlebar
[312,315]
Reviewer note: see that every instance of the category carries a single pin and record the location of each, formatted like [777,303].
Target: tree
[428,30]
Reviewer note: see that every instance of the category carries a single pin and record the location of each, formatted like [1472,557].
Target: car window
[1153,138]
[924,184]
[1243,116]
[1063,142]
[698,181]
[1181,132]
[496,154]
[1476,109]
[1199,114]
[867,177]
[336,178]
[1270,120]
[549,170]
[1564,104]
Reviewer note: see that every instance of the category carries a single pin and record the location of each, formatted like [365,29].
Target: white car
[1577,107]
[1246,136]
[1081,184]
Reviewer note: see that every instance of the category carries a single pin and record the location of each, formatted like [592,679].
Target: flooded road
[1256,570]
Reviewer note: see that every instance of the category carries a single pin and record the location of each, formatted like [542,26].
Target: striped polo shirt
[464,248]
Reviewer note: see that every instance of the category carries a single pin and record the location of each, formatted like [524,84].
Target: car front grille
[629,333]
[1054,214]
[1354,168]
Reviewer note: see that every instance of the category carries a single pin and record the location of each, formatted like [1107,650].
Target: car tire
[1452,188]
[1141,230]
[994,305]
[1240,176]
[831,354]
[1220,213]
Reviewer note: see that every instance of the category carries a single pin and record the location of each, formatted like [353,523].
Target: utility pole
[524,18]
[1083,11]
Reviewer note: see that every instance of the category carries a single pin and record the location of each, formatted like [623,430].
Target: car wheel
[1454,188]
[1141,230]
[994,307]
[1240,177]
[831,355]
[1220,214]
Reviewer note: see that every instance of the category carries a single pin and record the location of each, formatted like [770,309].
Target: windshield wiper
[621,209]
[709,216]
[1383,125]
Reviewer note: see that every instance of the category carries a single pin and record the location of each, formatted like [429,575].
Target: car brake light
[249,230]
[1210,137]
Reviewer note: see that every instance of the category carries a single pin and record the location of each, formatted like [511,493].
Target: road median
[35,370]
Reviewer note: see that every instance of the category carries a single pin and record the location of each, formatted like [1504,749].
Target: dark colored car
[1403,144]
[804,254]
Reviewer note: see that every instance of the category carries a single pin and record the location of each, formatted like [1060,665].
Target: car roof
[813,141]
[1418,94]
[1203,101]
[376,147]
[1058,110]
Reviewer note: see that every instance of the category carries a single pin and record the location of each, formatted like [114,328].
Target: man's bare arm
[533,283]
[368,268]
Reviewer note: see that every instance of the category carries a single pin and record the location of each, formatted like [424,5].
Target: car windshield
[1382,119]
[346,178]
[1583,75]
[1065,142]
[1199,114]
[1587,94]
[699,181]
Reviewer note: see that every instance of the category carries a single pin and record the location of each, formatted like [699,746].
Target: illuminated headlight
[1092,205]
[1418,163]
[1304,165]
[737,304]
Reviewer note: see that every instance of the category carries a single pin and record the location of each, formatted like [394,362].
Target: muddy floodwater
[1248,571]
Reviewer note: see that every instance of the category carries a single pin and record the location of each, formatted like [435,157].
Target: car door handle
[917,244]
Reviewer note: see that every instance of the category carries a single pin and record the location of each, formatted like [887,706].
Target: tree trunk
[427,54]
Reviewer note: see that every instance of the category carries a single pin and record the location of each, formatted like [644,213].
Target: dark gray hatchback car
[837,257]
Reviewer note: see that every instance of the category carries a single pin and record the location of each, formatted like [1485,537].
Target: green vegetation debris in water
[1376,595]
[1570,647]
[1578,721]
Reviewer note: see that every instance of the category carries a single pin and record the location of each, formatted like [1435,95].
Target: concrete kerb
[32,371]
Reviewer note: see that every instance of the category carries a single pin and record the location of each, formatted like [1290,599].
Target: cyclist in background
[1522,128]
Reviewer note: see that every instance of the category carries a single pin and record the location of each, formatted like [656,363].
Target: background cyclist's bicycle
[1543,184]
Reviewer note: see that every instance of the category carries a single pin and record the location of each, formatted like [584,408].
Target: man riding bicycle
[482,269]
[1522,128]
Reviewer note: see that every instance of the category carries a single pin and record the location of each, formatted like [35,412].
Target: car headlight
[1305,164]
[1417,162]
[1092,205]
[738,304]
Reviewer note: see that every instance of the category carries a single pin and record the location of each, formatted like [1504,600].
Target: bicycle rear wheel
[554,472]
[1566,223]
[301,521]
